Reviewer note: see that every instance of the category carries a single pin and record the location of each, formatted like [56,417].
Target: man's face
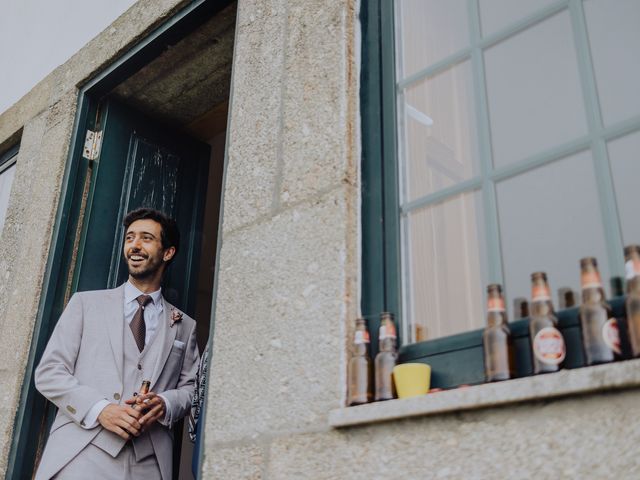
[143,249]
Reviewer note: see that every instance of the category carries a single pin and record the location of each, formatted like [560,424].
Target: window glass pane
[440,140]
[550,218]
[625,168]
[428,31]
[6,179]
[444,268]
[535,101]
[498,14]
[614,37]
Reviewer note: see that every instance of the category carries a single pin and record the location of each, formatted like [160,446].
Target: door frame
[30,413]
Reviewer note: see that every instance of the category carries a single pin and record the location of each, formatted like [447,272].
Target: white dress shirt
[152,314]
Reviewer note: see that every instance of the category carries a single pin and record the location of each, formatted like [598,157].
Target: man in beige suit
[104,345]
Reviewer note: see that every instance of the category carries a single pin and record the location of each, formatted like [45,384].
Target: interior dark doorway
[161,111]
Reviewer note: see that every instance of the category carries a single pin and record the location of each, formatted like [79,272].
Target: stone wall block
[253,12]
[14,118]
[279,324]
[255,119]
[29,224]
[18,310]
[588,437]
[25,244]
[245,462]
[316,138]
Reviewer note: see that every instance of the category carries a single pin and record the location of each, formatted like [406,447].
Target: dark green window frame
[8,158]
[456,359]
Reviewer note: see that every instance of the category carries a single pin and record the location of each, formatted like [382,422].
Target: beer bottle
[360,368]
[499,359]
[600,337]
[386,358]
[144,389]
[566,298]
[632,303]
[548,350]
[520,308]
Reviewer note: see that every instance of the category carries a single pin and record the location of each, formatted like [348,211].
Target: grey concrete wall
[42,121]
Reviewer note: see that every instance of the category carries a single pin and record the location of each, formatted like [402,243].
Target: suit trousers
[93,462]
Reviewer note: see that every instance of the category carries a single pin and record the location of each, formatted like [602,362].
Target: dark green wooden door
[142,164]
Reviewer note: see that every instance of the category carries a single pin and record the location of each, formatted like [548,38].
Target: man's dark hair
[170,235]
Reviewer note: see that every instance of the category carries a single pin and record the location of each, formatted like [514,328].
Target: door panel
[143,164]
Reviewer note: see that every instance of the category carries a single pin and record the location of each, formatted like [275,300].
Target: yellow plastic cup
[412,379]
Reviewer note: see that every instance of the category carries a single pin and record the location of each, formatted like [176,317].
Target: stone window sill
[612,376]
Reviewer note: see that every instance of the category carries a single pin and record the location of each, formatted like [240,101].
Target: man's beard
[148,271]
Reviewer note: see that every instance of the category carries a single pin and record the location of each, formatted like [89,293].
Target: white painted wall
[36,36]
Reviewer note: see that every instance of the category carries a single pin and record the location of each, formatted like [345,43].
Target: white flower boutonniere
[176,316]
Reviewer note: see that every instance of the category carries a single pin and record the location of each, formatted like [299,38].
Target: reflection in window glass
[6,179]
[615,53]
[624,154]
[444,267]
[453,140]
[441,146]
[428,31]
[496,15]
[535,100]
[550,217]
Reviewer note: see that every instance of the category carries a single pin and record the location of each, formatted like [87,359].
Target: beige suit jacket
[83,364]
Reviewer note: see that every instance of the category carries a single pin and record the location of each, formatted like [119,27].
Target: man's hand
[153,407]
[121,420]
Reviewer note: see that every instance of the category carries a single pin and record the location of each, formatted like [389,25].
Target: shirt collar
[131,293]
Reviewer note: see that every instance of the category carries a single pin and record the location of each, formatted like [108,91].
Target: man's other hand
[121,420]
[153,407]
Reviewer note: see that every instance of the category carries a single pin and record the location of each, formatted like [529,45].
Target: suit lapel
[114,319]
[166,336]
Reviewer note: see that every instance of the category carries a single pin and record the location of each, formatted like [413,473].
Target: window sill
[612,376]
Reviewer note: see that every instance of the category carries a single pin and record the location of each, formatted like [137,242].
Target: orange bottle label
[632,268]
[361,336]
[611,335]
[495,304]
[591,279]
[549,347]
[540,292]
[388,331]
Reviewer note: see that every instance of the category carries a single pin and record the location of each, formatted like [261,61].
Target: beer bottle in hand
[360,368]
[548,350]
[144,389]
[386,358]
[600,337]
[632,303]
[499,360]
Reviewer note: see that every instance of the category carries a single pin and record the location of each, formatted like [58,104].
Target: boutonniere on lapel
[176,316]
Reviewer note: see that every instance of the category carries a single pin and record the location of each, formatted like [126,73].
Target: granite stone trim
[612,376]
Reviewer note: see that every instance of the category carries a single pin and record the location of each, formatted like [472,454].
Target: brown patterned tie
[137,325]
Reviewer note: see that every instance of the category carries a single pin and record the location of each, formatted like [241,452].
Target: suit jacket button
[139,367]
[71,409]
[116,396]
